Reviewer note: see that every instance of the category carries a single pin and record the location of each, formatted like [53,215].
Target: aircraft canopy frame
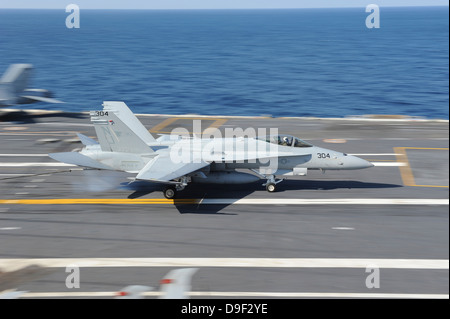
[284,140]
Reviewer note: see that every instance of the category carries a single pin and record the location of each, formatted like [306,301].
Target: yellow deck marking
[158,128]
[163,124]
[406,171]
[227,201]
[115,201]
[218,123]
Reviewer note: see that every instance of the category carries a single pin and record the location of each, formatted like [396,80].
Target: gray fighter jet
[13,87]
[124,144]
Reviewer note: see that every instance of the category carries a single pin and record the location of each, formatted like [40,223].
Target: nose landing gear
[271,184]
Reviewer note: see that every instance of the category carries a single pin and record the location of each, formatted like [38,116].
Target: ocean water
[310,62]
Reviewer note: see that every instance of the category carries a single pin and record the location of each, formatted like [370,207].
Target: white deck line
[243,294]
[15,264]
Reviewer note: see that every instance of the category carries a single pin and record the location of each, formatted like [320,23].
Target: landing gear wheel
[271,187]
[170,192]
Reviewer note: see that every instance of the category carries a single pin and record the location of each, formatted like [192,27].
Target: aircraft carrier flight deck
[318,236]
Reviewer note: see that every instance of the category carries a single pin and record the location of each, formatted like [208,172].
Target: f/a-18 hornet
[124,144]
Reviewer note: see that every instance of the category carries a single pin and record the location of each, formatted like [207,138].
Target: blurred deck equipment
[176,284]
[14,91]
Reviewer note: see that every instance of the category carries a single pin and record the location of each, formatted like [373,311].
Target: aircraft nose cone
[359,163]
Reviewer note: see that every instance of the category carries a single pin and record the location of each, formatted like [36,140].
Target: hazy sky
[211,4]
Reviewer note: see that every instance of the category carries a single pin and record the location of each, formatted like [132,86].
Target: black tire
[271,187]
[170,193]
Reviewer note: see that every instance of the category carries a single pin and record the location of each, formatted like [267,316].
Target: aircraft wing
[163,169]
[42,99]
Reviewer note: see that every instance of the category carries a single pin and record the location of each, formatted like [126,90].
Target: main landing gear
[170,192]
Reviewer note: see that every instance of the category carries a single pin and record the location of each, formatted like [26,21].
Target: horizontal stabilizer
[42,99]
[133,292]
[78,159]
[86,140]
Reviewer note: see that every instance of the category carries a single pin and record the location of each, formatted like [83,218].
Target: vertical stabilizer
[116,136]
[176,284]
[122,111]
[17,76]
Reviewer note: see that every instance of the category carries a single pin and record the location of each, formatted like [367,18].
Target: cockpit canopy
[284,140]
